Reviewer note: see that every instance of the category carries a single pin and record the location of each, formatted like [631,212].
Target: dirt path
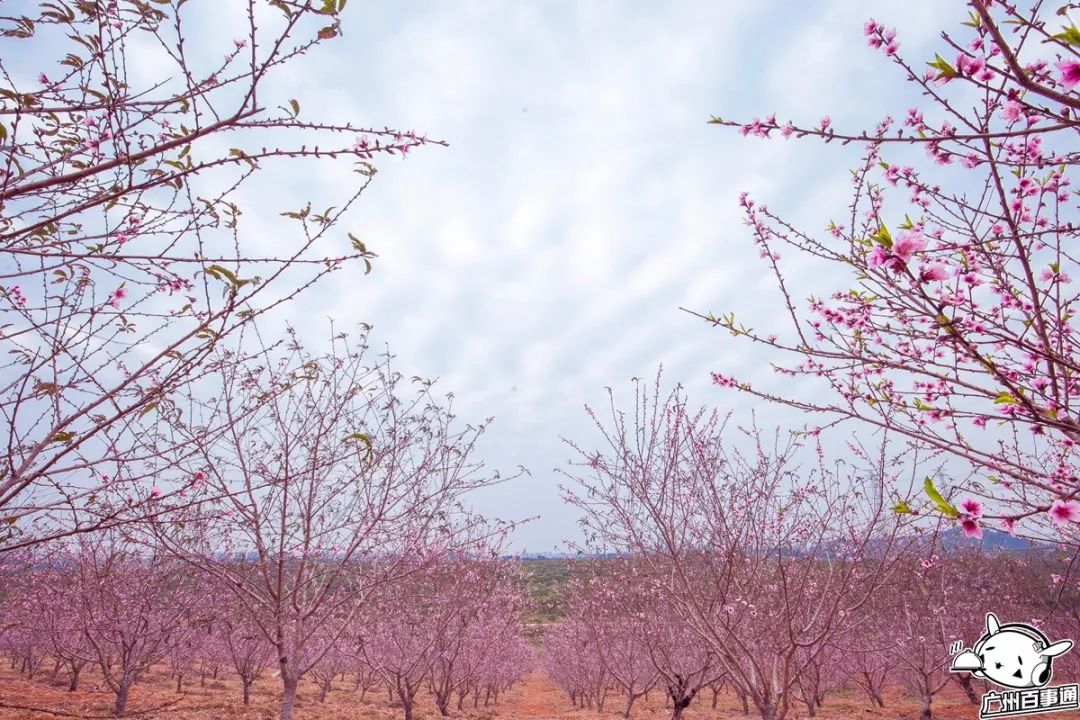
[536,698]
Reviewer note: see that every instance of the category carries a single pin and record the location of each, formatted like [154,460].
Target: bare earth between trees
[534,697]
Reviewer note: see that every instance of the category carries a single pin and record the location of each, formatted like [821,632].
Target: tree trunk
[288,696]
[122,697]
[677,707]
[965,684]
[442,702]
[76,670]
[766,708]
[247,689]
[629,703]
[407,702]
[179,682]
[926,713]
[745,702]
[55,670]
[715,695]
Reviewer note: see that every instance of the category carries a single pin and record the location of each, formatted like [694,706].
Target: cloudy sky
[583,198]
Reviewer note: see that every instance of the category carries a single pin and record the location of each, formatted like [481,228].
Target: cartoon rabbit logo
[1013,655]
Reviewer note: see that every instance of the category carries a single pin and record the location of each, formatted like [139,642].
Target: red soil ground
[534,699]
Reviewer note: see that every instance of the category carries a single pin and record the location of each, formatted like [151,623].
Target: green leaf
[883,236]
[902,508]
[945,70]
[64,436]
[361,437]
[945,507]
[1069,36]
[1006,398]
[148,409]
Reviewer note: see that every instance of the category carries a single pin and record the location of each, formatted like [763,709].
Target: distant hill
[991,540]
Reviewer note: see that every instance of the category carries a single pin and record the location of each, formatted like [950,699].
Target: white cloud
[582,200]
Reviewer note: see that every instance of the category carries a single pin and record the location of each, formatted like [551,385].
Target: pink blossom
[971,528]
[971,507]
[117,295]
[878,256]
[1063,512]
[826,122]
[1010,525]
[240,43]
[935,272]
[908,243]
[1070,73]
[1056,579]
[155,492]
[1011,111]
[968,65]
[15,295]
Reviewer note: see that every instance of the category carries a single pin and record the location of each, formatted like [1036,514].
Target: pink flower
[239,43]
[1063,512]
[199,476]
[44,79]
[878,256]
[826,122]
[971,528]
[1011,111]
[1010,525]
[908,243]
[1070,73]
[968,65]
[117,295]
[156,492]
[971,507]
[927,563]
[935,272]
[1056,579]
